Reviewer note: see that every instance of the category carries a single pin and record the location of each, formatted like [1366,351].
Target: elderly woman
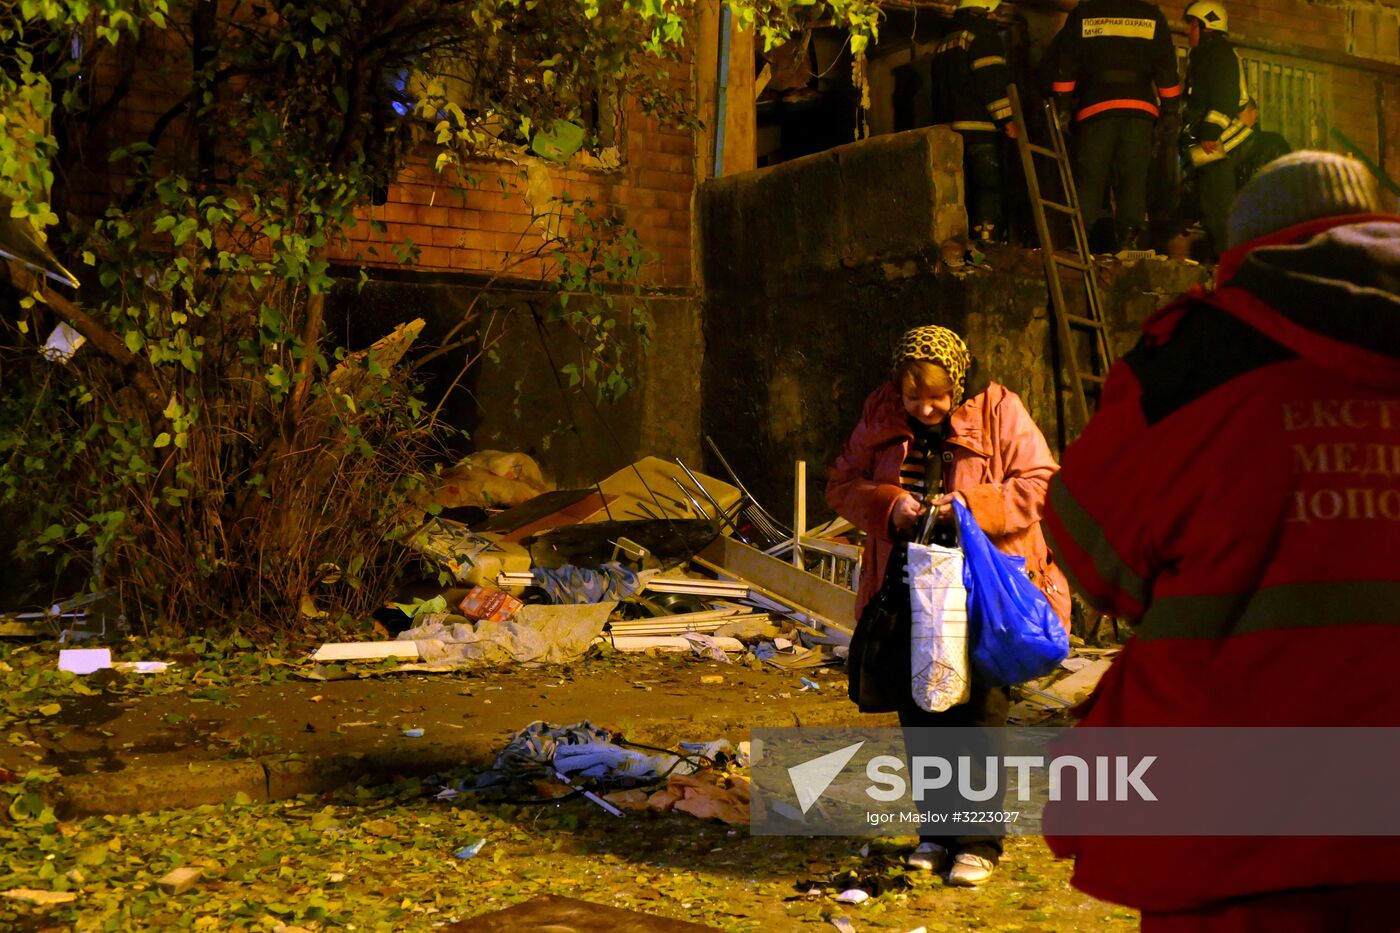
[936,430]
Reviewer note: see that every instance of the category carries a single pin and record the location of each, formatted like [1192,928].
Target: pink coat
[1001,464]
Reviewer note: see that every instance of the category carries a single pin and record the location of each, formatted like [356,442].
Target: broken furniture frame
[69,620]
[822,608]
[835,562]
[751,511]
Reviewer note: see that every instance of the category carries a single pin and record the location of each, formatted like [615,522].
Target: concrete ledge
[886,198]
[138,790]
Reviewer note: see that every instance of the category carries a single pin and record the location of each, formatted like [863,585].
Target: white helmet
[1211,13]
[987,5]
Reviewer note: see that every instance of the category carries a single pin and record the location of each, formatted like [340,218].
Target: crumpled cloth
[570,584]
[706,646]
[708,796]
[583,750]
[544,634]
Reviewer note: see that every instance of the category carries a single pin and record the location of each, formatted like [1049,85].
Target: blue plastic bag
[1016,635]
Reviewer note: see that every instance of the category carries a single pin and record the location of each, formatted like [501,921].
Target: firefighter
[970,78]
[1116,58]
[1215,94]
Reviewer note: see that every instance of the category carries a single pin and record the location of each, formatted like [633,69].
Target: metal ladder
[1068,325]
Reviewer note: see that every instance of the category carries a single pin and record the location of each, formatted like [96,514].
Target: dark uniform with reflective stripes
[1116,57]
[1215,95]
[970,78]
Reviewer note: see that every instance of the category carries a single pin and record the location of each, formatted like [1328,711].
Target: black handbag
[879,662]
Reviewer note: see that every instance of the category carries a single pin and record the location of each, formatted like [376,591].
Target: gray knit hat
[1299,187]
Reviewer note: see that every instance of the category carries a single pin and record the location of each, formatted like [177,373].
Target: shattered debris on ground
[614,567]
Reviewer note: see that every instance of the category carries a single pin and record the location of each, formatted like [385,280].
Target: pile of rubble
[654,558]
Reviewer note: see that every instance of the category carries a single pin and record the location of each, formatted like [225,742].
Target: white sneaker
[929,856]
[970,870]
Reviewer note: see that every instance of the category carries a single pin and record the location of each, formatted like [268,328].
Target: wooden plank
[799,518]
[634,643]
[365,650]
[727,588]
[1077,686]
[803,619]
[826,602]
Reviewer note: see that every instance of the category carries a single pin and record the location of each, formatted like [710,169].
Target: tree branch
[100,337]
[306,371]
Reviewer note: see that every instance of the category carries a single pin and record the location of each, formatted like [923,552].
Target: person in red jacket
[1237,497]
[937,429]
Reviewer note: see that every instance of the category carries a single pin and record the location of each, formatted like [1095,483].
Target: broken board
[828,604]
[1076,688]
[365,650]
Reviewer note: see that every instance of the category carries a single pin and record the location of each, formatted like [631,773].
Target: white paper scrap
[84,660]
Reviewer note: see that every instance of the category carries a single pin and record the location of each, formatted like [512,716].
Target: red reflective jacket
[1238,496]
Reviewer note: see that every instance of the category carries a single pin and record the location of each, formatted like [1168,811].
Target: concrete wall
[815,267]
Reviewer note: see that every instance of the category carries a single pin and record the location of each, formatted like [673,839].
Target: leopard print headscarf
[937,345]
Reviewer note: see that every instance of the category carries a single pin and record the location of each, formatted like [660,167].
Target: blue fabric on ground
[573,585]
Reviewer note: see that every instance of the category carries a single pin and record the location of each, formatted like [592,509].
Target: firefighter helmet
[988,6]
[1211,13]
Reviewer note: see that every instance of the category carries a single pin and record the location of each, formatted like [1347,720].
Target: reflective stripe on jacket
[1238,496]
[1116,57]
[970,76]
[1216,90]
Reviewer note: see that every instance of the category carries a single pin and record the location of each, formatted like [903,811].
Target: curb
[171,787]
[270,778]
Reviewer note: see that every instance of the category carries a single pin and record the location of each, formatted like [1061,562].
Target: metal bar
[693,501]
[1365,160]
[724,516]
[734,477]
[722,86]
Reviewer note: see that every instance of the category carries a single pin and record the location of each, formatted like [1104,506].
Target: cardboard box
[488,604]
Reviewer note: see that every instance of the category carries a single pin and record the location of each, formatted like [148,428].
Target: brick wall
[482,230]
[501,221]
